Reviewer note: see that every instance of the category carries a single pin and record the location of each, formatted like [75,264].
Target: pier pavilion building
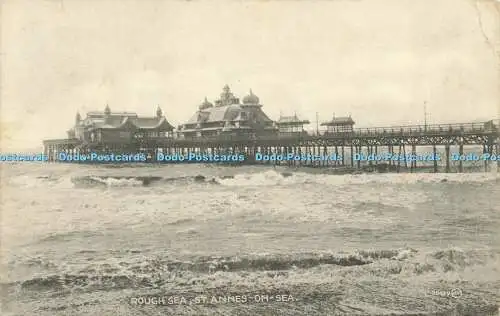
[339,125]
[119,127]
[228,116]
[291,125]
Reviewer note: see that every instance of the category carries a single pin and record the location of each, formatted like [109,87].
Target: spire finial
[159,112]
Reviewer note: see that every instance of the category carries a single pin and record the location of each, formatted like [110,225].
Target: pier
[230,126]
[395,140]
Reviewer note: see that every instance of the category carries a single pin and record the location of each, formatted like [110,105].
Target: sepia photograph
[259,157]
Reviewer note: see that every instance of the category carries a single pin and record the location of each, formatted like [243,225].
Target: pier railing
[408,130]
[417,130]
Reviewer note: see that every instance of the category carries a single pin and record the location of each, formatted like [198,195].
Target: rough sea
[214,240]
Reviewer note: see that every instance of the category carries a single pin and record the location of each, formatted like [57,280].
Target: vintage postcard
[335,157]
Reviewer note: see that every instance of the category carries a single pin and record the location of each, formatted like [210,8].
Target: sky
[376,60]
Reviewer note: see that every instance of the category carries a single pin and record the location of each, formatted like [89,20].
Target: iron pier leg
[435,160]
[460,163]
[447,150]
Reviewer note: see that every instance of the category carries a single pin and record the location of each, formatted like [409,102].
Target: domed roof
[226,97]
[107,110]
[205,104]
[251,98]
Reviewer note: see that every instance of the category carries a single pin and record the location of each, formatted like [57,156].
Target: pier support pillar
[336,162]
[325,153]
[404,155]
[389,150]
[359,149]
[460,163]
[447,154]
[343,156]
[485,150]
[369,152]
[314,163]
[352,156]
[434,150]
[399,160]
[413,158]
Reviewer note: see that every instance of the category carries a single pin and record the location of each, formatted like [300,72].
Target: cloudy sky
[378,60]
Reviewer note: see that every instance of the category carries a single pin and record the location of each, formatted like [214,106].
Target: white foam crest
[269,177]
[112,182]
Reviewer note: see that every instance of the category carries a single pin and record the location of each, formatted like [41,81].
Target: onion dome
[251,98]
[107,110]
[205,105]
[159,112]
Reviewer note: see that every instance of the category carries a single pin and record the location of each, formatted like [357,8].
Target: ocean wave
[158,271]
[69,235]
[263,178]
[133,181]
[401,281]
[273,178]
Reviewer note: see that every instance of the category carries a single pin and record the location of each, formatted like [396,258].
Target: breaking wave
[392,278]
[157,271]
[266,178]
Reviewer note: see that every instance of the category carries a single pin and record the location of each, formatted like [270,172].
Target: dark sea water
[96,240]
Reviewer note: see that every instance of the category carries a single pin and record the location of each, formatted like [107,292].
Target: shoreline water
[89,239]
